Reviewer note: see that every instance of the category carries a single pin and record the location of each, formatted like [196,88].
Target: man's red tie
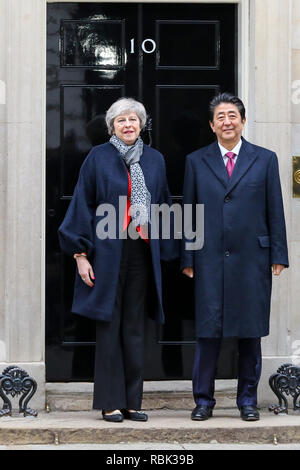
[230,163]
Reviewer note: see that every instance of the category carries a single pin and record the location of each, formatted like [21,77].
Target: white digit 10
[147,51]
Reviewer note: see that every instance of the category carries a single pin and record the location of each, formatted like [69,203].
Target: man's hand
[189,272]
[277,268]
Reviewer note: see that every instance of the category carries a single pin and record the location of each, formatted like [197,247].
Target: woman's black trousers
[120,343]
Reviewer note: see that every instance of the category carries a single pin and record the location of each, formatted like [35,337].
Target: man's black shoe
[249,413]
[201,413]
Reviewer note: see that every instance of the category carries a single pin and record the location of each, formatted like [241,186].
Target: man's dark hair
[226,98]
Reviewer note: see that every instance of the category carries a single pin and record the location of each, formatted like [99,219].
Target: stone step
[163,426]
[173,395]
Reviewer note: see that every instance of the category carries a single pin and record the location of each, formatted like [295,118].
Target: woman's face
[127,127]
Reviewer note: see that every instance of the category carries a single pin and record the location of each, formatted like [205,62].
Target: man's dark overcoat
[103,178]
[244,234]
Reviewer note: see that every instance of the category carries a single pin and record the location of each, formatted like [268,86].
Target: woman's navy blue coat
[103,178]
[244,234]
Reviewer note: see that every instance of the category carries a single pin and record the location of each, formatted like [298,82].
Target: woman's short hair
[226,98]
[122,106]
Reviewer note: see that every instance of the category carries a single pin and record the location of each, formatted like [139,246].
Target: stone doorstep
[173,395]
[151,401]
[163,426]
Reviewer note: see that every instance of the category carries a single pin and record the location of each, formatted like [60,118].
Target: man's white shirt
[236,150]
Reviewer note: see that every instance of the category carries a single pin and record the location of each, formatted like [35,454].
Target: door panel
[93,43]
[82,105]
[188,44]
[173,58]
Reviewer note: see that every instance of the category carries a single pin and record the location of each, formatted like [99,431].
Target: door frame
[244,87]
[23,135]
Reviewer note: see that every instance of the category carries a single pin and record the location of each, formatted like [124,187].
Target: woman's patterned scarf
[140,196]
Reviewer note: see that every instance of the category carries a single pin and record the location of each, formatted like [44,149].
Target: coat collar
[214,160]
[144,162]
[118,156]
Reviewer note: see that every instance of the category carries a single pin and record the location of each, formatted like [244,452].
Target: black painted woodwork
[96,53]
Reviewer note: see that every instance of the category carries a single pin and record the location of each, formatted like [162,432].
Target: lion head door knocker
[285,382]
[15,381]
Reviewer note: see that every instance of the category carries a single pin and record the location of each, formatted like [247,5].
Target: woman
[116,256]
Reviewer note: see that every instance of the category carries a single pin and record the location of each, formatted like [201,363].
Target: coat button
[227,253]
[227,199]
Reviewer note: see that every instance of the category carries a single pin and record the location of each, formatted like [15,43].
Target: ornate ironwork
[15,381]
[285,382]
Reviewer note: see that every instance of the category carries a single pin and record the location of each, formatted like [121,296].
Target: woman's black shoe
[135,415]
[113,418]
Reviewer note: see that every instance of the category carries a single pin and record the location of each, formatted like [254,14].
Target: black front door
[173,58]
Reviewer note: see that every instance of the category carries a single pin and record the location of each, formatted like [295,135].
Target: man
[244,241]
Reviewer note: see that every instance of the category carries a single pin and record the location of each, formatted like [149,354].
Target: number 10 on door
[148,46]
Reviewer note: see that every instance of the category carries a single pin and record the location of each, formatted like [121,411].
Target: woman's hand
[85,270]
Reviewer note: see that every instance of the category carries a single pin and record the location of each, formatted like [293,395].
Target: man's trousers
[205,366]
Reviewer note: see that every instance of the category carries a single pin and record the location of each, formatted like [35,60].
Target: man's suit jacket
[244,234]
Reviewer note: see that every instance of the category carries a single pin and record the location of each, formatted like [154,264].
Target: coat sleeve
[169,248]
[189,198]
[76,231]
[275,215]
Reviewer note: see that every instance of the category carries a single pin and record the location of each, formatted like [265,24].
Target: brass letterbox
[296,177]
